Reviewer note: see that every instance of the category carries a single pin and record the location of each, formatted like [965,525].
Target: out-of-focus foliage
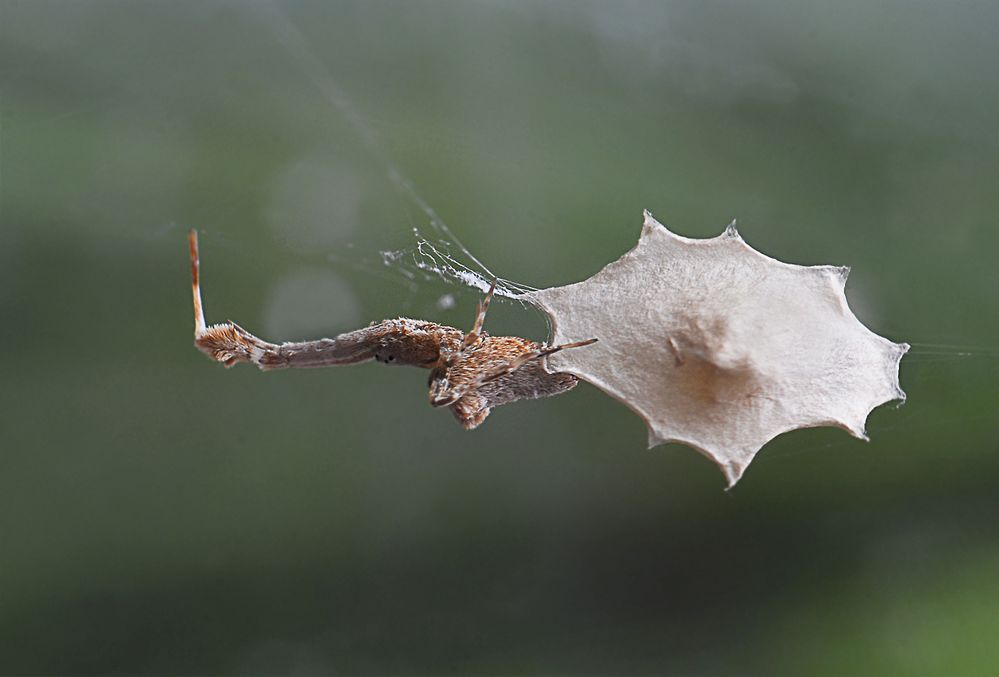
[159,514]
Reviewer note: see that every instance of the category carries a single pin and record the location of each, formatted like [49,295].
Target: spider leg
[471,411]
[402,341]
[199,313]
[521,360]
[448,397]
[480,317]
[227,343]
[530,382]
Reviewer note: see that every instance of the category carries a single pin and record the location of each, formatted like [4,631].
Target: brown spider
[470,373]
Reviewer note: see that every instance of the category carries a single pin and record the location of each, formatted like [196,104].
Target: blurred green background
[159,514]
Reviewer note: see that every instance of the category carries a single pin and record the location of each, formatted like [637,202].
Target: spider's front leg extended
[399,341]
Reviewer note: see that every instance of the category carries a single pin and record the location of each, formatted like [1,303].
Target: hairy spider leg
[480,317]
[227,343]
[230,344]
[521,360]
[450,396]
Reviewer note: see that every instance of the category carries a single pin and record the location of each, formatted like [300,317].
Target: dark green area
[159,514]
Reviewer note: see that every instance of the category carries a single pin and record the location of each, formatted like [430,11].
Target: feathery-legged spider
[470,373]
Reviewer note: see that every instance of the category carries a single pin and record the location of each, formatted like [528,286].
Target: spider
[469,373]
